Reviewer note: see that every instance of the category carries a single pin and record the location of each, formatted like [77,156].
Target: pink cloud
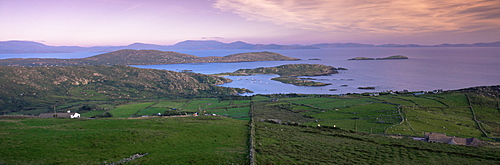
[374,16]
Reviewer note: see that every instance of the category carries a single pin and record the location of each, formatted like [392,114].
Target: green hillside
[32,90]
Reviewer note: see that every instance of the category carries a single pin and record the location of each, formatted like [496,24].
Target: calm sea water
[427,69]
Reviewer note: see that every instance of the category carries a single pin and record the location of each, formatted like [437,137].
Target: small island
[396,57]
[362,58]
[289,74]
[299,81]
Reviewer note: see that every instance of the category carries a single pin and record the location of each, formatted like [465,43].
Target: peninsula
[396,57]
[145,57]
[289,73]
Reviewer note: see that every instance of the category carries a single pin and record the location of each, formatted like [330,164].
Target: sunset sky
[166,22]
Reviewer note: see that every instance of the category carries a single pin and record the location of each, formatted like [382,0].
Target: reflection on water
[427,68]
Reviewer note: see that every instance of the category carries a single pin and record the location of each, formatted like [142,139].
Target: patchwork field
[286,129]
[401,114]
[285,144]
[237,109]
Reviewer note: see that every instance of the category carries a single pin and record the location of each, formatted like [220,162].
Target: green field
[151,111]
[193,140]
[370,118]
[178,104]
[289,129]
[129,109]
[284,144]
[92,113]
[445,112]
[231,112]
[197,104]
[231,108]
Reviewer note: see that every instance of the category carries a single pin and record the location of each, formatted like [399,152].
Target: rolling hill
[144,57]
[39,88]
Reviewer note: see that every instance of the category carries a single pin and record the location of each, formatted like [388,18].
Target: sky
[166,22]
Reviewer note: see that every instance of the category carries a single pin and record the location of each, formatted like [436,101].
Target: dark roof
[474,142]
[442,138]
[57,115]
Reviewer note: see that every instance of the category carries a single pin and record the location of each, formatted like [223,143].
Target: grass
[425,120]
[370,118]
[237,109]
[91,113]
[451,99]
[129,109]
[207,103]
[193,140]
[220,140]
[331,103]
[396,100]
[445,112]
[260,98]
[178,104]
[422,101]
[232,112]
[285,144]
[239,102]
[242,111]
[151,111]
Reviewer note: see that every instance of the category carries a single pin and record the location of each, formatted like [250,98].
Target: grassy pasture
[192,140]
[196,104]
[445,112]
[396,100]
[211,105]
[178,104]
[451,99]
[239,102]
[422,120]
[223,140]
[331,103]
[371,118]
[260,98]
[284,144]
[422,101]
[129,109]
[488,117]
[151,111]
[309,100]
[231,112]
[92,113]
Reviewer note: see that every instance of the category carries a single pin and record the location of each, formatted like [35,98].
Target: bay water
[428,68]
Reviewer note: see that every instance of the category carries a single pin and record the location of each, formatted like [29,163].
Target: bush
[104,115]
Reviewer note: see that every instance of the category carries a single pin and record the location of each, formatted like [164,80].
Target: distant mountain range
[36,47]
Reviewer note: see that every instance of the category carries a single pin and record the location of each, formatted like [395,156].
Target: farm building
[69,114]
[443,138]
